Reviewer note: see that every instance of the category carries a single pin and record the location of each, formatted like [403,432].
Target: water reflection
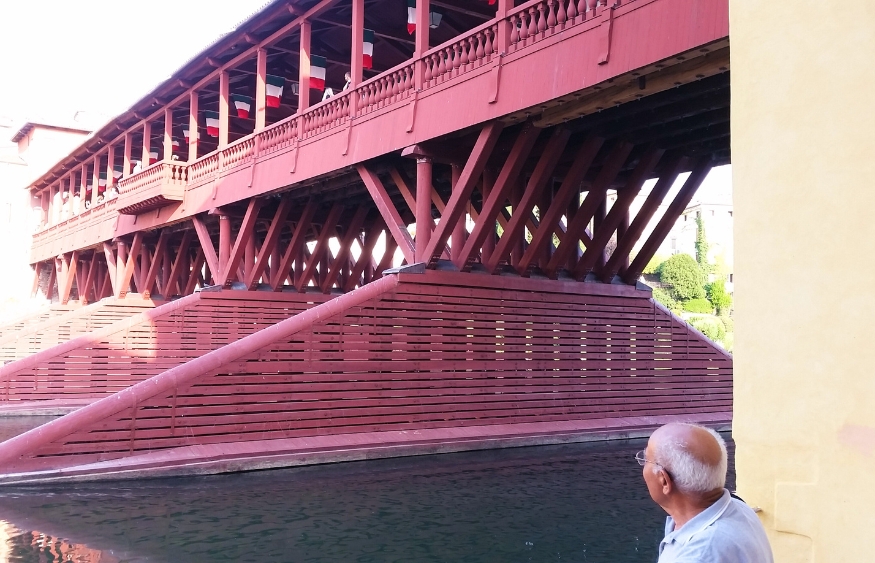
[579,502]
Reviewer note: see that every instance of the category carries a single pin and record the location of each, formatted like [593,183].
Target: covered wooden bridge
[264,263]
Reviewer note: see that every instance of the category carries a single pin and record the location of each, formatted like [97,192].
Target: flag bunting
[411,16]
[212,123]
[243,105]
[368,50]
[317,72]
[274,90]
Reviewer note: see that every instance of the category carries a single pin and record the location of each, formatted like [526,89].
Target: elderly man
[685,471]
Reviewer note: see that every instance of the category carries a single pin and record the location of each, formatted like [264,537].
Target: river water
[576,503]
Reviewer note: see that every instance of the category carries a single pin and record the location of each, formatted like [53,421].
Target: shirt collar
[698,523]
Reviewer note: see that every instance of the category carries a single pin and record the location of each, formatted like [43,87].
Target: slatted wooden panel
[427,356]
[22,323]
[133,353]
[55,330]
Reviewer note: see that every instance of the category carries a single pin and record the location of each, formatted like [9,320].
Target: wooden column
[110,162]
[224,104]
[599,218]
[121,258]
[358,35]
[168,134]
[423,9]
[224,244]
[147,145]
[503,38]
[126,167]
[488,246]
[95,180]
[458,238]
[83,189]
[192,126]
[304,68]
[260,89]
[424,221]
[50,215]
[516,195]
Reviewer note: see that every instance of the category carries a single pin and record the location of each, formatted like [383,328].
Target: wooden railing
[160,184]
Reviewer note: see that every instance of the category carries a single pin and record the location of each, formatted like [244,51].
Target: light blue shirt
[728,531]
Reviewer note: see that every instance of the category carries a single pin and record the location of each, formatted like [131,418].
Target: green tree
[664,297]
[718,297]
[682,277]
[701,245]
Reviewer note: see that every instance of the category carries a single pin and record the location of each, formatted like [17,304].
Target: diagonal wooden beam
[371,237]
[181,256]
[53,277]
[551,221]
[68,269]
[459,199]
[292,252]
[627,242]
[522,214]
[387,209]
[329,229]
[109,253]
[194,274]
[203,235]
[270,242]
[89,280]
[125,279]
[243,236]
[387,258]
[681,200]
[403,188]
[106,286]
[597,192]
[157,261]
[619,209]
[493,205]
[352,232]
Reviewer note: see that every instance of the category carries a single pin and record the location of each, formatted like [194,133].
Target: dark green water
[578,503]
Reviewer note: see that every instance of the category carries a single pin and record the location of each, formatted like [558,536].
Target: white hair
[688,473]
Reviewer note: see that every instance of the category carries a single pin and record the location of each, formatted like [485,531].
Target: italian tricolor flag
[368,50]
[186,134]
[411,16]
[317,72]
[117,172]
[174,145]
[274,90]
[153,157]
[243,105]
[101,183]
[212,123]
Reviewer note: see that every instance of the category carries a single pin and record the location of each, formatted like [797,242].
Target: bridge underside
[477,289]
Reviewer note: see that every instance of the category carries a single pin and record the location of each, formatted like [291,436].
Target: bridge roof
[273,26]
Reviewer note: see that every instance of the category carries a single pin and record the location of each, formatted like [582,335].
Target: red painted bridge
[435,252]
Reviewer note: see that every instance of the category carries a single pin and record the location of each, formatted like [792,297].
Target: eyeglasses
[641,458]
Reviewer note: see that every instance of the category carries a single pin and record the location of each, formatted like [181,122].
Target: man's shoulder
[736,536]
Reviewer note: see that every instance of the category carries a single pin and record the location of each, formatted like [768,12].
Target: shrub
[728,323]
[682,276]
[710,327]
[664,297]
[718,297]
[652,267]
[698,306]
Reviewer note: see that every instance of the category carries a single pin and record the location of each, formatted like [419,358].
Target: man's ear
[665,481]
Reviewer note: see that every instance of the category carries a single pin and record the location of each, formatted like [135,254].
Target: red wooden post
[95,179]
[304,67]
[111,266]
[503,38]
[147,145]
[110,161]
[460,231]
[168,134]
[260,89]
[192,125]
[488,246]
[50,214]
[358,37]
[83,188]
[121,256]
[224,244]
[224,105]
[129,141]
[423,10]
[424,220]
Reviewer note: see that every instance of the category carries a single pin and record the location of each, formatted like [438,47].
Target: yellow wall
[803,154]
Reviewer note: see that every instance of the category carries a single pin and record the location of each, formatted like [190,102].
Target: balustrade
[326,115]
[386,89]
[460,56]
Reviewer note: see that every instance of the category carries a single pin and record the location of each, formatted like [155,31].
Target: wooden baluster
[442,64]
[542,20]
[552,20]
[571,13]
[460,57]
[515,29]
[481,51]
[490,46]
[560,12]
[533,23]
[450,62]
[590,8]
